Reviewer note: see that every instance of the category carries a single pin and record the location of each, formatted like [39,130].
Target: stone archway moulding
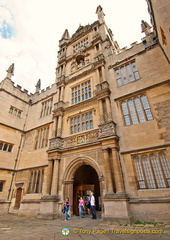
[76,163]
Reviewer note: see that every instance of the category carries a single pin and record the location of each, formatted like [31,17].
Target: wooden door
[18,198]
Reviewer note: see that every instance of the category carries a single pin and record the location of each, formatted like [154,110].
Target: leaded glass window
[81,92]
[126,74]
[81,123]
[152,170]
[136,110]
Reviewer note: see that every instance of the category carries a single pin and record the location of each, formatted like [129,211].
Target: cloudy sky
[31,29]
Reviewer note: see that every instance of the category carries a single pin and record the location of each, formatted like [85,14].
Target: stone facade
[103,126]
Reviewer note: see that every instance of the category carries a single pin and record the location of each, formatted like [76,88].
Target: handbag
[63,210]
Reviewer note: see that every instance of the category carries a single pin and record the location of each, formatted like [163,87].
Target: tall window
[136,110]
[81,123]
[127,73]
[6,147]
[36,181]
[46,108]
[81,92]
[42,138]
[152,170]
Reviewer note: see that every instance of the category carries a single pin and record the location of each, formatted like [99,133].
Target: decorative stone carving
[163,110]
[92,136]
[73,141]
[107,130]
[56,143]
[99,57]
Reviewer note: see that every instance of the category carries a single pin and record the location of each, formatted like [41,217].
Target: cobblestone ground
[26,228]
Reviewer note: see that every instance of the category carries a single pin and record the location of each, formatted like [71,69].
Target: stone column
[58,94]
[62,94]
[103,74]
[54,127]
[54,185]
[59,126]
[117,171]
[108,109]
[97,77]
[108,175]
[48,177]
[101,111]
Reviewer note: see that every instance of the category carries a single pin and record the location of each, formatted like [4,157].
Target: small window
[16,112]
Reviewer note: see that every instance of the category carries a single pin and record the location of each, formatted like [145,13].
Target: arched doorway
[85,180]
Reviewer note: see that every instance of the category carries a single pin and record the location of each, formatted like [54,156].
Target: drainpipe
[17,156]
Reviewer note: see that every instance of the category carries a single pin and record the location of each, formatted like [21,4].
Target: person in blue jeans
[93,206]
[81,207]
[67,207]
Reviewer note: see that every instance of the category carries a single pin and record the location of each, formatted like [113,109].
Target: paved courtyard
[28,228]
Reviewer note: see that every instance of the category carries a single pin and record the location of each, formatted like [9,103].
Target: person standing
[87,203]
[81,207]
[67,207]
[93,206]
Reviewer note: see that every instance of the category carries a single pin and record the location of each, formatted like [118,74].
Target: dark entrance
[85,180]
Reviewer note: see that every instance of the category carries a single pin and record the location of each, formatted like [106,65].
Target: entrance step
[13,211]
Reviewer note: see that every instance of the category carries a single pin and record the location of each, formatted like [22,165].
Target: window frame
[81,122]
[140,112]
[125,72]
[46,107]
[6,147]
[158,178]
[81,92]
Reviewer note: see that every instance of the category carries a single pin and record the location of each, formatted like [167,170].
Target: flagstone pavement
[15,227]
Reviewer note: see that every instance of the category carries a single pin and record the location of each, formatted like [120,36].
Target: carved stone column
[108,109]
[103,74]
[97,77]
[59,127]
[54,127]
[62,94]
[117,171]
[108,175]
[54,185]
[101,111]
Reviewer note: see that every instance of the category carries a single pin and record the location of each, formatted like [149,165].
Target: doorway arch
[85,181]
[78,175]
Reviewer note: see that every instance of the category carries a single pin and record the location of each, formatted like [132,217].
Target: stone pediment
[80,31]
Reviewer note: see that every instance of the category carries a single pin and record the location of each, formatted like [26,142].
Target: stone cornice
[142,90]
[163,146]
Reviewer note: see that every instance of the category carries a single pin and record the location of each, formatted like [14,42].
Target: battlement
[16,90]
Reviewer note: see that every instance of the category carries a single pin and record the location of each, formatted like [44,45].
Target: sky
[30,31]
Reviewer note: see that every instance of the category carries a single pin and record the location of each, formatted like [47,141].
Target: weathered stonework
[163,111]
[106,117]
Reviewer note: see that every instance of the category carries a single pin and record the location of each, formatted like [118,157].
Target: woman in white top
[93,206]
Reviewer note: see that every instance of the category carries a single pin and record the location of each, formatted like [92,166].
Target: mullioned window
[126,74]
[152,170]
[6,147]
[136,110]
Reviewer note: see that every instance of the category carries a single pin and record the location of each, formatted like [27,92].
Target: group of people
[89,203]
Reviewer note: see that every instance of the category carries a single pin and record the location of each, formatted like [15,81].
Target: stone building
[104,125]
